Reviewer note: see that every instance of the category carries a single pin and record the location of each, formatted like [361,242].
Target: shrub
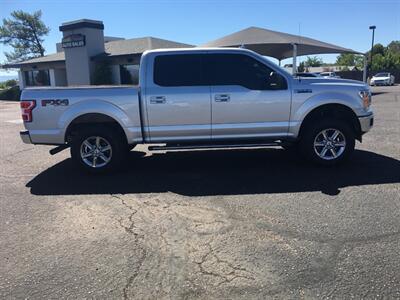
[12,93]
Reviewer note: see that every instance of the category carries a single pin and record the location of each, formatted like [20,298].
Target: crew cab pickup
[200,98]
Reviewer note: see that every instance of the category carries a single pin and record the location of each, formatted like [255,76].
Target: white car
[329,75]
[382,79]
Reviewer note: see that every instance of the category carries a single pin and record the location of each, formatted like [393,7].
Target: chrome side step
[211,146]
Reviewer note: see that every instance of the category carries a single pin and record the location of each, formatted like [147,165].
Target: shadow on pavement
[223,172]
[378,93]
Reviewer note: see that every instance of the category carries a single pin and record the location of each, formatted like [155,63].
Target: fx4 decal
[55,102]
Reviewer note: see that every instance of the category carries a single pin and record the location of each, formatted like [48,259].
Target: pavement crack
[16,153]
[131,229]
[132,278]
[226,277]
[131,224]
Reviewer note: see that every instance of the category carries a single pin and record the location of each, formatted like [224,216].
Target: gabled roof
[59,56]
[275,44]
[139,45]
[112,48]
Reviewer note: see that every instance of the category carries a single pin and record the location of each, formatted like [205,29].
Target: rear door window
[179,70]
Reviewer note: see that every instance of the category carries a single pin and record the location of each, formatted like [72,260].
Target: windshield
[277,66]
[382,75]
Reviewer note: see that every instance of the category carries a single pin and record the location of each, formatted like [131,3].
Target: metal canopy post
[365,68]
[294,69]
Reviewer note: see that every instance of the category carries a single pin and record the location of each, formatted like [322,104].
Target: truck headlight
[366,98]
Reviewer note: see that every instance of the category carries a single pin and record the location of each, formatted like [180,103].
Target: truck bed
[57,107]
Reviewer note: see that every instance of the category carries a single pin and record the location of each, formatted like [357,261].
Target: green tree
[301,68]
[23,32]
[350,59]
[394,47]
[378,49]
[8,83]
[385,58]
[313,61]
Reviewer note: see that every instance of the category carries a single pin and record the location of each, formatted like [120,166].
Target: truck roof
[200,49]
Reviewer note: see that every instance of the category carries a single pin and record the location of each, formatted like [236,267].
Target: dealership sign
[73,41]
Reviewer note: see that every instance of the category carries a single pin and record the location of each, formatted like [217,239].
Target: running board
[211,146]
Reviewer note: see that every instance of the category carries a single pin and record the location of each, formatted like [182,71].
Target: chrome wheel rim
[96,152]
[329,144]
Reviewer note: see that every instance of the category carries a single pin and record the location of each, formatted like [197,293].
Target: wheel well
[89,120]
[335,111]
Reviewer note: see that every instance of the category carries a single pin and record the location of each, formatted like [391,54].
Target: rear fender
[99,107]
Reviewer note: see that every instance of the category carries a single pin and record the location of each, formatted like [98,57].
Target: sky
[344,23]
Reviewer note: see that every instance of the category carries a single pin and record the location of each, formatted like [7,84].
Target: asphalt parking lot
[250,224]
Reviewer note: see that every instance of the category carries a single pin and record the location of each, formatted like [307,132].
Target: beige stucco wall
[78,60]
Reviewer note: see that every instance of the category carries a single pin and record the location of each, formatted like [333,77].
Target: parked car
[200,98]
[329,75]
[304,74]
[383,78]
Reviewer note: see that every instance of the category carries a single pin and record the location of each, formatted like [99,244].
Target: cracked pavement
[239,224]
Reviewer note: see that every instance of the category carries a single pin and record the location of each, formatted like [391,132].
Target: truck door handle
[222,98]
[157,99]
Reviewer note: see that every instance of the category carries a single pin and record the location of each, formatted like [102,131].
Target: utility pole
[373,27]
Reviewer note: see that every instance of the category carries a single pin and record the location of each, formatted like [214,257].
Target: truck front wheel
[328,142]
[98,149]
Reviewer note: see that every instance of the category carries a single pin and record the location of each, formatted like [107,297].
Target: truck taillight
[26,109]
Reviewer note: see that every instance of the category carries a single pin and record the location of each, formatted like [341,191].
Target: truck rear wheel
[328,142]
[98,149]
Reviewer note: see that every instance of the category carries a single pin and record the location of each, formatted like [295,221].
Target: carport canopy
[276,44]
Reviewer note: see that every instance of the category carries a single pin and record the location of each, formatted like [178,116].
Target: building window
[129,74]
[37,78]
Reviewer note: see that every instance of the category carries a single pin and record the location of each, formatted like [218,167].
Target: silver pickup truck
[200,98]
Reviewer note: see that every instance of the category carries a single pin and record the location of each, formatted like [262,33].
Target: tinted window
[37,78]
[129,74]
[243,70]
[178,70]
[382,75]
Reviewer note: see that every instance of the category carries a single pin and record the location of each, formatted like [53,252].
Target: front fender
[301,110]
[326,98]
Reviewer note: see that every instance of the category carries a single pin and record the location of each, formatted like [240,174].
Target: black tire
[315,129]
[108,136]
